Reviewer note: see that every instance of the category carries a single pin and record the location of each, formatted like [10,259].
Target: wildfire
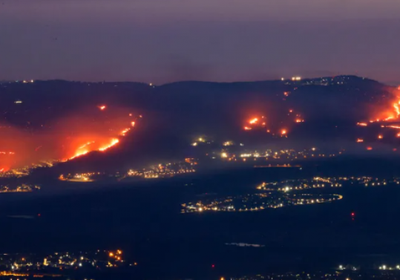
[7,153]
[392,113]
[71,136]
[85,145]
[78,154]
[125,131]
[114,142]
[396,108]
[256,122]
[253,121]
[393,126]
[102,144]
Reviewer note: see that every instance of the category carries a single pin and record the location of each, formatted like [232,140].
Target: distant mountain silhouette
[175,113]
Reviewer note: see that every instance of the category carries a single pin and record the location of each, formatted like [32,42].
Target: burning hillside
[64,139]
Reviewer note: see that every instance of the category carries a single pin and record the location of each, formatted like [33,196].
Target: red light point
[213,265]
[353,214]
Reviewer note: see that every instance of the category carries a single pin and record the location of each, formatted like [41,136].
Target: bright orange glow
[253,121]
[6,153]
[299,120]
[247,128]
[380,136]
[70,137]
[85,145]
[102,107]
[78,154]
[283,131]
[369,148]
[362,124]
[125,131]
[360,140]
[113,143]
[398,134]
[396,108]
[393,126]
[291,111]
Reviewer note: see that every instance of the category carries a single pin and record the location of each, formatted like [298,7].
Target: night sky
[218,40]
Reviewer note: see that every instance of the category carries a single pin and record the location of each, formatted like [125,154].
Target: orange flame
[253,121]
[114,142]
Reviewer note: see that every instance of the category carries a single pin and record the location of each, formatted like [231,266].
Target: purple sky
[219,40]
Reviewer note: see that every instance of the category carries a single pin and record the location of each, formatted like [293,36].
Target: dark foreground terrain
[143,219]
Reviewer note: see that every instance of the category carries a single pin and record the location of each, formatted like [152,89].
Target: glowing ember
[132,124]
[299,120]
[125,131]
[362,124]
[102,107]
[283,131]
[360,140]
[380,136]
[393,126]
[369,148]
[253,121]
[247,128]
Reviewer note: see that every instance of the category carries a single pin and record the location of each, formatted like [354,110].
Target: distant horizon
[394,84]
[161,42]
